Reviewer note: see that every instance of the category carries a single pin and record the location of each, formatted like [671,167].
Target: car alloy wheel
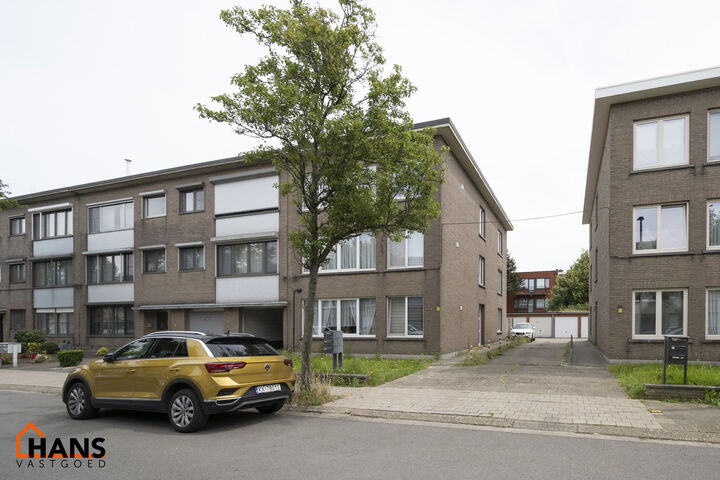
[183,411]
[76,401]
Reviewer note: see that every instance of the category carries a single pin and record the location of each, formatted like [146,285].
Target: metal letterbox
[677,349]
[332,341]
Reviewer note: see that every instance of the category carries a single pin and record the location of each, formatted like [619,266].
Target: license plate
[268,388]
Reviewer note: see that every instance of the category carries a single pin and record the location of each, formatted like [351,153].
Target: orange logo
[39,446]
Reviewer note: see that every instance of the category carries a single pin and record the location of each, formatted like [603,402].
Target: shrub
[34,347]
[28,336]
[6,359]
[102,351]
[70,358]
[50,347]
[316,392]
[41,358]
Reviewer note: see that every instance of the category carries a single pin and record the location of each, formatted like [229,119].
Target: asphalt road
[254,446]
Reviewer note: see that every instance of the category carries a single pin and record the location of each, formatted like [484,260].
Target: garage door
[266,323]
[543,326]
[210,321]
[584,327]
[566,326]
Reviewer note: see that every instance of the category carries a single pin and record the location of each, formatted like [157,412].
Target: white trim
[658,82]
[245,175]
[178,246]
[658,209]
[338,314]
[143,252]
[658,312]
[57,206]
[405,243]
[707,225]
[707,314]
[143,205]
[109,202]
[103,252]
[387,315]
[245,237]
[15,260]
[152,247]
[190,186]
[190,244]
[481,271]
[709,159]
[660,122]
[152,193]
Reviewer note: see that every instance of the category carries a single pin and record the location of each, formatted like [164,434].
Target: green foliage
[712,397]
[336,125]
[34,347]
[6,359]
[480,355]
[315,392]
[28,336]
[41,358]
[101,352]
[70,358]
[50,347]
[572,288]
[633,377]
[513,280]
[5,200]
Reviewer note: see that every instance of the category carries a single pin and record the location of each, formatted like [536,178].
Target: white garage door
[584,327]
[543,326]
[210,321]
[566,326]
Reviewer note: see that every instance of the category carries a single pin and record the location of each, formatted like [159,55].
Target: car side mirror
[109,357]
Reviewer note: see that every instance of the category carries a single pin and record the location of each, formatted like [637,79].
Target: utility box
[332,341]
[677,349]
[10,347]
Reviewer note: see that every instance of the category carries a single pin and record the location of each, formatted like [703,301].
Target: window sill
[406,338]
[16,235]
[711,341]
[154,216]
[712,250]
[105,283]
[711,162]
[191,271]
[662,168]
[153,273]
[348,337]
[660,254]
[404,269]
[341,272]
[45,287]
[51,238]
[649,340]
[188,213]
[248,275]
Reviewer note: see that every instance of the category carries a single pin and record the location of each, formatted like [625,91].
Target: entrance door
[481,324]
[162,321]
[2,327]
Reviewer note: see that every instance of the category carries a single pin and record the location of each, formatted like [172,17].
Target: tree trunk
[309,321]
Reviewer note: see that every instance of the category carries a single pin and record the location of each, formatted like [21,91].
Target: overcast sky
[86,84]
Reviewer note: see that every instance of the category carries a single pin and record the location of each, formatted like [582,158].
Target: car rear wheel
[185,412]
[271,408]
[78,403]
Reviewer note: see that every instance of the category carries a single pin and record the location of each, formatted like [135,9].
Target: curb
[32,388]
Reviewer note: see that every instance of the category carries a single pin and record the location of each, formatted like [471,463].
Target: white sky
[86,84]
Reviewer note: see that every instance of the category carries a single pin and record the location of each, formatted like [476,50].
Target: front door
[162,321]
[481,325]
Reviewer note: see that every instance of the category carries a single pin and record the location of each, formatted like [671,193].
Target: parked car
[523,330]
[188,375]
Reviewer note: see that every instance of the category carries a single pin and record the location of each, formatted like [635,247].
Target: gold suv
[189,375]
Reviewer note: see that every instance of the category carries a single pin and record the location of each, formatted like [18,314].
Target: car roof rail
[238,334]
[170,332]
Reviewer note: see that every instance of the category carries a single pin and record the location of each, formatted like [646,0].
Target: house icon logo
[18,440]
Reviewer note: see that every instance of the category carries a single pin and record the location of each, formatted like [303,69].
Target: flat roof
[605,97]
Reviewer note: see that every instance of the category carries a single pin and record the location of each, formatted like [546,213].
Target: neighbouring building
[204,247]
[533,292]
[652,202]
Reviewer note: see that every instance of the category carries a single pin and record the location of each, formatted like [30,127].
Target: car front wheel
[78,403]
[185,412]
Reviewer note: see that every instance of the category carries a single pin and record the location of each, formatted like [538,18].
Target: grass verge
[480,355]
[381,370]
[633,377]
[316,393]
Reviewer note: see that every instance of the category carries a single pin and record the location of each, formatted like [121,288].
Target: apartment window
[259,258]
[54,323]
[405,316]
[52,224]
[714,136]
[500,282]
[713,225]
[192,258]
[354,316]
[499,321]
[659,312]
[110,320]
[17,272]
[481,275]
[17,320]
[109,218]
[357,253]
[192,200]
[52,273]
[154,206]
[660,143]
[482,222]
[114,268]
[540,303]
[408,252]
[521,303]
[154,260]
[660,228]
[17,226]
[500,243]
[712,329]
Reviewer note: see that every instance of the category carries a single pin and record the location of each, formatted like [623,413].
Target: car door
[158,367]
[116,379]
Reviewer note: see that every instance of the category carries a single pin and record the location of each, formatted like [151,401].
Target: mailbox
[676,353]
[332,341]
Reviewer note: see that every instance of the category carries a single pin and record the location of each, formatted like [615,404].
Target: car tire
[78,402]
[272,408]
[185,411]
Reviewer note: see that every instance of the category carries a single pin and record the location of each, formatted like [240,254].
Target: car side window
[169,348]
[134,349]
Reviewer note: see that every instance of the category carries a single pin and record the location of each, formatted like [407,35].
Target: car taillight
[288,362]
[220,367]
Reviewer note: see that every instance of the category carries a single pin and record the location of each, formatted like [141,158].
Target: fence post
[570,355]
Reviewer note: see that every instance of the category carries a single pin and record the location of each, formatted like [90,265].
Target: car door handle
[132,370]
[175,369]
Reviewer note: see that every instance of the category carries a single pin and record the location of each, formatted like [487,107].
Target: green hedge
[70,358]
[30,336]
[50,347]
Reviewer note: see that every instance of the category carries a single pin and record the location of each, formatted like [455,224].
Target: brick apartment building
[652,202]
[204,247]
[533,292]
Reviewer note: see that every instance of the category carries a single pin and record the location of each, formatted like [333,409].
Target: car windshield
[522,326]
[240,347]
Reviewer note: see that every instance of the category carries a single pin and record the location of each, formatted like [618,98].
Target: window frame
[265,270]
[181,200]
[13,319]
[482,222]
[128,313]
[144,260]
[53,265]
[658,218]
[500,243]
[180,262]
[338,315]
[123,202]
[709,336]
[405,244]
[707,221]
[500,282]
[23,269]
[41,233]
[16,218]
[145,199]
[124,278]
[54,317]
[387,315]
[660,133]
[500,321]
[658,312]
[481,272]
[338,257]
[709,159]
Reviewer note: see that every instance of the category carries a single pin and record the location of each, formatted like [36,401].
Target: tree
[329,117]
[5,200]
[513,280]
[571,291]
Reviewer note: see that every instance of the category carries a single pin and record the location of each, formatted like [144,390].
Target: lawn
[381,370]
[634,376]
